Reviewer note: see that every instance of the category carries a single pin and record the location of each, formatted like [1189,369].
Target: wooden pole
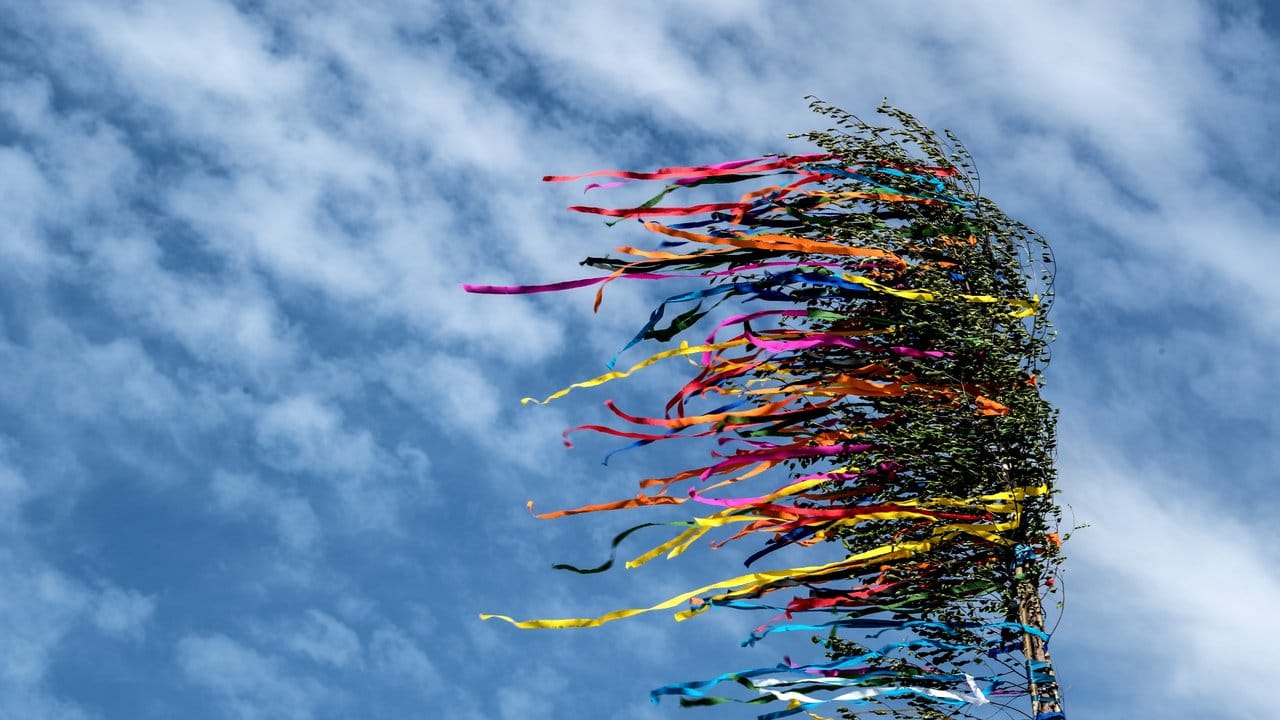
[1042,682]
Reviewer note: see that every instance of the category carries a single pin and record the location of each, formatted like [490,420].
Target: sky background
[260,457]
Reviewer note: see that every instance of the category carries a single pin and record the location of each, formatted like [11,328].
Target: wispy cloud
[294,519]
[246,683]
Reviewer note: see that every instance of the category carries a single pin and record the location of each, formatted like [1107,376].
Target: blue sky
[261,458]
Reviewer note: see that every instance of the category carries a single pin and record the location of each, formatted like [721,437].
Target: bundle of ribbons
[865,360]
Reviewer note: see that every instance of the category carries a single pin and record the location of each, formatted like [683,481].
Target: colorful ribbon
[878,283]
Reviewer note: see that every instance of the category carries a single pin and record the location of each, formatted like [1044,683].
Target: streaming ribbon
[794,382]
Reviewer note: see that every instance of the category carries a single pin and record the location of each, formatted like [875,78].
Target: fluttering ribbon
[814,383]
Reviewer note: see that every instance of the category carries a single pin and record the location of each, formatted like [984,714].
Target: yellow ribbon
[684,349]
[1004,502]
[751,582]
[1028,306]
[681,542]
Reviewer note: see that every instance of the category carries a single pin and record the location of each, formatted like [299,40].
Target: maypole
[872,370]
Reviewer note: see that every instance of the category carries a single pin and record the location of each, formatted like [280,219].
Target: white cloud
[1178,584]
[531,699]
[295,521]
[301,433]
[227,63]
[23,190]
[247,684]
[86,381]
[232,322]
[122,612]
[283,172]
[14,490]
[322,638]
[25,100]
[453,392]
[40,607]
[394,654]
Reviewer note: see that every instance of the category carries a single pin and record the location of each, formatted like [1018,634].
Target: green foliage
[939,447]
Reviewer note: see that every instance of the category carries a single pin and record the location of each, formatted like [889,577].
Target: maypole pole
[877,335]
[1042,682]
